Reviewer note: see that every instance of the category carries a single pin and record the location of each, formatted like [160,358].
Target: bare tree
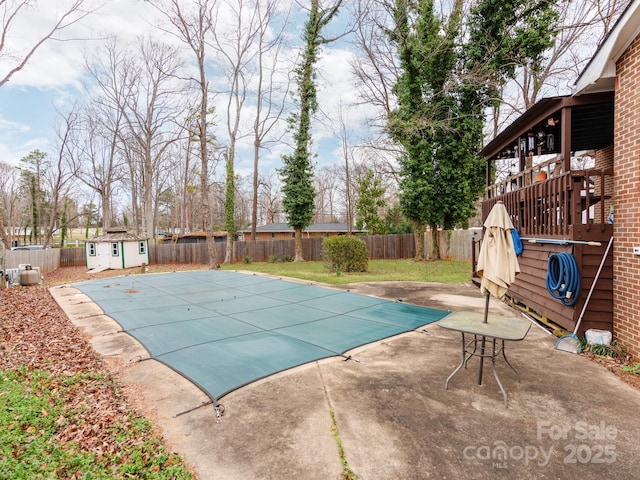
[101,155]
[98,156]
[9,202]
[272,88]
[12,11]
[375,65]
[270,200]
[60,174]
[191,26]
[234,43]
[583,25]
[327,182]
[150,113]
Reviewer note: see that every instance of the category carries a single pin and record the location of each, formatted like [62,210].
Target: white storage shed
[116,249]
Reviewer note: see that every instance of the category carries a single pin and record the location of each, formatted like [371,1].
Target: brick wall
[603,159]
[626,268]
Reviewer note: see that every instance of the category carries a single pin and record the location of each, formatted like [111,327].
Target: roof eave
[599,74]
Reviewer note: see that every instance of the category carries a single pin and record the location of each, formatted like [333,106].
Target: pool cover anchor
[219,412]
[219,409]
[346,358]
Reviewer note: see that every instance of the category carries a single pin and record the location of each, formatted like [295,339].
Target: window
[114,249]
[92,249]
[142,247]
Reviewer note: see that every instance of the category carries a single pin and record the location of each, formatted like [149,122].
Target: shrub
[287,258]
[273,259]
[345,253]
[246,259]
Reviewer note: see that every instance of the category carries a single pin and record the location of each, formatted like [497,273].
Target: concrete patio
[568,418]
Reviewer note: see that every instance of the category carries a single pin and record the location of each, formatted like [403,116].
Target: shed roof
[117,235]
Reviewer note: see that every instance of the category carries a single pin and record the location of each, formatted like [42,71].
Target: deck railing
[552,207]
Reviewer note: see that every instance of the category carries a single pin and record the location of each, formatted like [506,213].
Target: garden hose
[563,278]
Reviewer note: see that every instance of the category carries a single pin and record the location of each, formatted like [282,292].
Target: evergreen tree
[447,78]
[438,121]
[297,171]
[33,167]
[370,199]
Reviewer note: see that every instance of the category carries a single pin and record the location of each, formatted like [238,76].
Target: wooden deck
[571,206]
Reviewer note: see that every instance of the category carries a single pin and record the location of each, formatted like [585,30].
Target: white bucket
[598,337]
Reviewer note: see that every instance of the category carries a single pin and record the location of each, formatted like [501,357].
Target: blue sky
[27,116]
[52,78]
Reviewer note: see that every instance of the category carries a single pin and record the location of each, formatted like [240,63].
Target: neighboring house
[564,198]
[116,249]
[282,231]
[195,237]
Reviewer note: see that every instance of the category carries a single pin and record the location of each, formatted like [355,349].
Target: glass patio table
[497,330]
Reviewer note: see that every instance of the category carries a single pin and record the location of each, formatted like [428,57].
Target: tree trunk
[230,203]
[254,199]
[418,234]
[435,242]
[299,256]
[106,207]
[4,236]
[148,199]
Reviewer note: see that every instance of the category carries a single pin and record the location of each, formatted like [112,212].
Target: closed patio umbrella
[497,263]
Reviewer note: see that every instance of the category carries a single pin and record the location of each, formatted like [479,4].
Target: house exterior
[116,249]
[575,184]
[282,231]
[196,237]
[616,68]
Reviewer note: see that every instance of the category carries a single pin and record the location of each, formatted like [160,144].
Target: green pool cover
[223,330]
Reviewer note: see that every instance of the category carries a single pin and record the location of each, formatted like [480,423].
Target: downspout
[122,252]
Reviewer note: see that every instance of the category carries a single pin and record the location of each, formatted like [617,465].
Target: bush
[246,259]
[273,259]
[345,253]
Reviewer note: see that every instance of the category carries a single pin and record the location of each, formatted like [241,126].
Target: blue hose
[563,278]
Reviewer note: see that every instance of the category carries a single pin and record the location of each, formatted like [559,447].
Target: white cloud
[59,61]
[8,127]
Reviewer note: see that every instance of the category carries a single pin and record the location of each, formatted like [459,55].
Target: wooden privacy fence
[48,260]
[381,247]
[454,245]
[73,257]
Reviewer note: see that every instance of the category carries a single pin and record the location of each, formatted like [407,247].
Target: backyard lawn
[379,271]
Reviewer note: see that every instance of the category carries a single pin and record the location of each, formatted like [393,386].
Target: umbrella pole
[482,345]
[486,307]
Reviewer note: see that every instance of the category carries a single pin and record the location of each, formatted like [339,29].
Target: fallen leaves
[35,332]
[36,335]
